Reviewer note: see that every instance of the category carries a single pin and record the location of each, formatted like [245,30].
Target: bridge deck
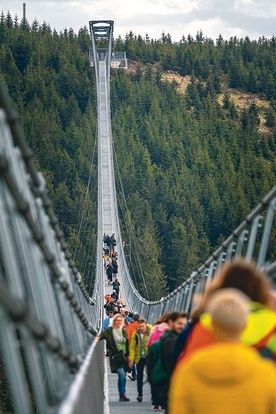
[131,388]
[132,406]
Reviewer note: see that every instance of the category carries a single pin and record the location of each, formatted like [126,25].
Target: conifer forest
[194,131]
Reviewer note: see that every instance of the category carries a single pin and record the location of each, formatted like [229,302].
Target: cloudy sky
[251,18]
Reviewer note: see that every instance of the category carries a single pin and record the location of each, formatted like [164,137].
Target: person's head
[136,317]
[116,309]
[244,275]
[142,323]
[117,321]
[176,321]
[126,312]
[229,309]
[111,313]
[163,318]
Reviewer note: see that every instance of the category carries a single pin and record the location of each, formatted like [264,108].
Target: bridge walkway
[117,407]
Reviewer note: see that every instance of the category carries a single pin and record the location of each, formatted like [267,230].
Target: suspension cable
[37,180]
[19,312]
[131,231]
[87,192]
[24,209]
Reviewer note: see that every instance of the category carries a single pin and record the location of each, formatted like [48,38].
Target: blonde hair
[116,316]
[228,309]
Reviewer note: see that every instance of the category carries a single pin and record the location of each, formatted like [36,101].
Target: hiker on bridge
[117,346]
[116,286]
[113,242]
[109,305]
[104,240]
[108,320]
[160,360]
[128,319]
[130,329]
[115,267]
[108,243]
[114,255]
[159,328]
[138,352]
[115,296]
[109,273]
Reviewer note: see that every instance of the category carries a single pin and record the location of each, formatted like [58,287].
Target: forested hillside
[192,162]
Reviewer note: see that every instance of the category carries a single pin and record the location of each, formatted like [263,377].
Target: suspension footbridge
[48,321]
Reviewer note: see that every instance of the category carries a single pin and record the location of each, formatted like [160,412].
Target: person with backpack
[160,360]
[138,352]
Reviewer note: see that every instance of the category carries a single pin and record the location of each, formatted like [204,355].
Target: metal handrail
[44,306]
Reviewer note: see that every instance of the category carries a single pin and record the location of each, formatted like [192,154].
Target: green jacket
[135,345]
[111,346]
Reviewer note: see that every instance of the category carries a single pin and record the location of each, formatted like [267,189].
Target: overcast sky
[253,18]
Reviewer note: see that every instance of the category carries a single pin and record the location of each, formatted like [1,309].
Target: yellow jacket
[135,345]
[225,378]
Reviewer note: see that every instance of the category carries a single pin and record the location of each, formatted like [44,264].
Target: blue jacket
[106,323]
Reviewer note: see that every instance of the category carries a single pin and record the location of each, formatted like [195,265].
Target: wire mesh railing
[48,321]
[254,238]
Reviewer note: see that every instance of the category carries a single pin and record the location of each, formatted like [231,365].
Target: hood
[163,326]
[224,364]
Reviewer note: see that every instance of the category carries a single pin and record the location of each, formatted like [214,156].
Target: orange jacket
[132,327]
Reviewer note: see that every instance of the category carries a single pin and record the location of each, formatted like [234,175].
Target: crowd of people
[110,256]
[218,359]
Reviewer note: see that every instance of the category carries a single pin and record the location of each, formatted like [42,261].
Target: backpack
[156,372]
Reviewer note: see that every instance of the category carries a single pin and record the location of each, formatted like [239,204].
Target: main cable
[131,231]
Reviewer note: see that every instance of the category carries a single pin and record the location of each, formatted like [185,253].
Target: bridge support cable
[48,321]
[131,237]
